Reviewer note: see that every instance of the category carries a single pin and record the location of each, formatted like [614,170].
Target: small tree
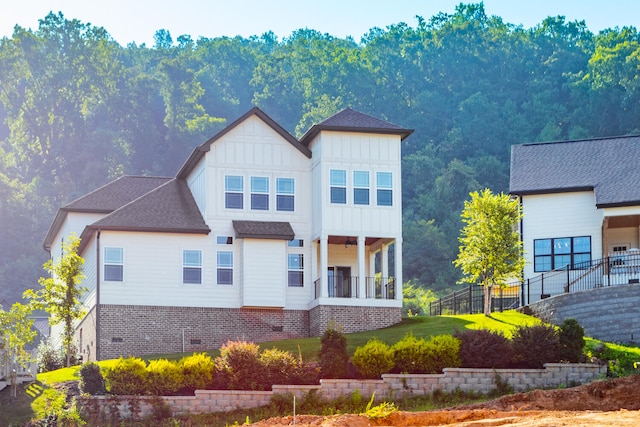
[16,332]
[490,251]
[61,291]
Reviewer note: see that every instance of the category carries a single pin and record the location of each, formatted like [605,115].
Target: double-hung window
[192,266]
[296,270]
[259,193]
[233,192]
[551,254]
[225,268]
[360,187]
[285,194]
[113,264]
[384,187]
[338,186]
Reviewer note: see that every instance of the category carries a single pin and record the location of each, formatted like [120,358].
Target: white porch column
[372,275]
[398,265]
[324,266]
[384,261]
[361,268]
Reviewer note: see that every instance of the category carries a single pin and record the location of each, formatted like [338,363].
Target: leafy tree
[61,291]
[490,251]
[16,331]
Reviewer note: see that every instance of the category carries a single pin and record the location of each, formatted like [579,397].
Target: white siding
[74,222]
[560,215]
[264,272]
[197,184]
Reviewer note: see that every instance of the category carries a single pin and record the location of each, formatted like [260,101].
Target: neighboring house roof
[349,120]
[608,166]
[200,151]
[263,230]
[105,199]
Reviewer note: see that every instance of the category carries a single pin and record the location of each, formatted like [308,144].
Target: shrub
[443,351]
[127,376]
[373,359]
[239,367]
[197,371]
[410,355]
[533,346]
[571,338]
[164,377]
[481,348]
[91,379]
[53,406]
[334,360]
[279,367]
[49,359]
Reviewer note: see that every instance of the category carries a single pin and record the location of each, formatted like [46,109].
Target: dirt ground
[602,403]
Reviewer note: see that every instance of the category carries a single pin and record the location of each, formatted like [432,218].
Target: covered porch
[357,268]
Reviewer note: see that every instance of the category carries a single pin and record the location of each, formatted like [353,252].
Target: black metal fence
[471,300]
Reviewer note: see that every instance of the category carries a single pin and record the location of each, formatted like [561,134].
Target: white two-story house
[581,206]
[260,236]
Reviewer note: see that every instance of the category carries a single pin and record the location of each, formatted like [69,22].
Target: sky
[137,21]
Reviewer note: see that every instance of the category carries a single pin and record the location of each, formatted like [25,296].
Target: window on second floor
[259,193]
[191,266]
[224,240]
[113,264]
[285,194]
[225,268]
[233,192]
[360,187]
[338,186]
[384,189]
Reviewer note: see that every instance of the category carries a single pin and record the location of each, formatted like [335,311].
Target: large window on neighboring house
[233,192]
[552,254]
[384,189]
[338,186]
[113,264]
[259,193]
[285,194]
[191,266]
[360,187]
[225,268]
[296,270]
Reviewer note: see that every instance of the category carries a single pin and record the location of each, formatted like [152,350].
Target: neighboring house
[581,206]
[259,236]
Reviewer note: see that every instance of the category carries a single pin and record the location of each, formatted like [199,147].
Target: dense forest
[78,110]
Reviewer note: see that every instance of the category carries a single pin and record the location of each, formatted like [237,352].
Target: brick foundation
[143,330]
[352,319]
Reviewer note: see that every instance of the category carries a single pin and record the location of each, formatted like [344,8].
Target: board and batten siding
[197,182]
[557,216]
[264,272]
[356,152]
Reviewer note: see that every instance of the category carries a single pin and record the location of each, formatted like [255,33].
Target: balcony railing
[348,287]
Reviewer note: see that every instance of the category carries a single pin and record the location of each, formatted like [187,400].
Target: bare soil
[613,402]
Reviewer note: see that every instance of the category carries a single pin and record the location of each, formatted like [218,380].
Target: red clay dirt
[601,403]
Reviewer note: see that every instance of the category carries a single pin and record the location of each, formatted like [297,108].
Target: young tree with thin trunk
[490,250]
[61,291]
[16,331]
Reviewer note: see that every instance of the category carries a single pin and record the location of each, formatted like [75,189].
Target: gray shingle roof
[609,166]
[167,208]
[263,230]
[349,120]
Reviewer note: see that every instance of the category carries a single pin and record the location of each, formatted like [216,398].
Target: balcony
[347,287]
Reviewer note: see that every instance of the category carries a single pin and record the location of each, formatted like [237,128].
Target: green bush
[53,406]
[373,359]
[481,348]
[443,351]
[127,376]
[334,360]
[197,371]
[410,355]
[91,379]
[533,346]
[571,337]
[49,359]
[239,366]
[279,367]
[164,377]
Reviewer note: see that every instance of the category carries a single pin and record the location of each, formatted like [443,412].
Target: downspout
[98,296]
[522,252]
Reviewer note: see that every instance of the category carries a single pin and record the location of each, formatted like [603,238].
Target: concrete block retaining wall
[390,386]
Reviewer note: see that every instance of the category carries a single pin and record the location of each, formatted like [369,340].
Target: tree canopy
[78,110]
